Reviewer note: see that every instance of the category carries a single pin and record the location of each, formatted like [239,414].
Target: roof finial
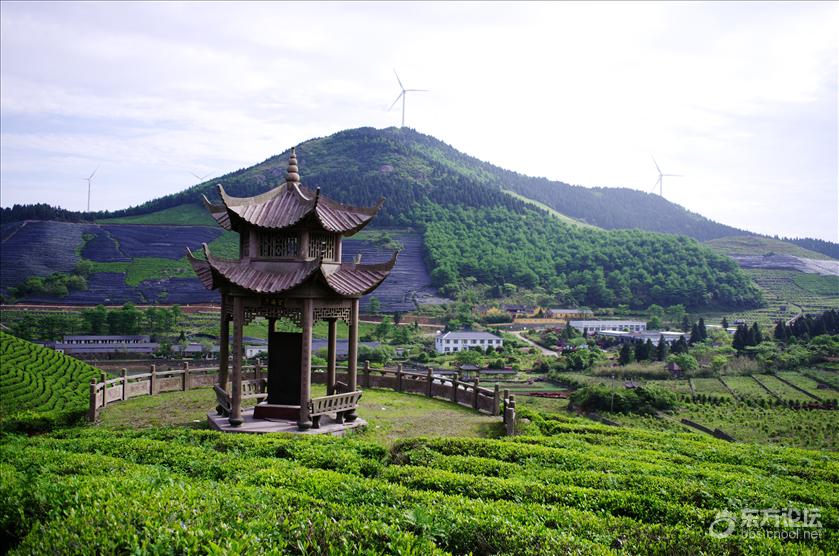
[291,174]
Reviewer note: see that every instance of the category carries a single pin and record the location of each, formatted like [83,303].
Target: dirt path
[542,350]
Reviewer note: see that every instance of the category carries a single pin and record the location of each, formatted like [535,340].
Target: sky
[740,99]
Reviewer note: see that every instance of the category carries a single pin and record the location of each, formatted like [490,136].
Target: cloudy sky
[739,98]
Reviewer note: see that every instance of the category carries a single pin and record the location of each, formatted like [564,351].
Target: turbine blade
[397,100]
[399,80]
[656,165]
[674,175]
[418,90]
[94,173]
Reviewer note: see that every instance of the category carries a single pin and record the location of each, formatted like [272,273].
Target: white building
[105,344]
[654,336]
[603,325]
[450,342]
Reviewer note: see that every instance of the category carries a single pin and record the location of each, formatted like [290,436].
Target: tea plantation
[39,387]
[565,485]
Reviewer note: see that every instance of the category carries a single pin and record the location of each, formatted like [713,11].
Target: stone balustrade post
[475,392]
[429,381]
[91,410]
[124,375]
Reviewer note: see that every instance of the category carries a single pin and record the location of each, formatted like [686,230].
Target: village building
[655,336]
[568,314]
[289,267]
[601,325]
[451,342]
[96,345]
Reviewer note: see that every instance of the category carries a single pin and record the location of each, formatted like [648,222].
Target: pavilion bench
[341,404]
[251,389]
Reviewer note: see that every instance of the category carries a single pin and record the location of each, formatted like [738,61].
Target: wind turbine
[660,181]
[403,94]
[88,180]
[200,178]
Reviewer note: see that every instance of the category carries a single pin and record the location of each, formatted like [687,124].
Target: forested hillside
[479,230]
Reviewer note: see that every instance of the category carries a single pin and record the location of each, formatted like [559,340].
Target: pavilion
[289,267]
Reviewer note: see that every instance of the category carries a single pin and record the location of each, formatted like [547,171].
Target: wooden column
[331,356]
[305,421]
[224,344]
[236,394]
[352,356]
[123,373]
[352,348]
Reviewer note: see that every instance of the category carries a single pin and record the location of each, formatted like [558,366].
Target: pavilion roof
[346,279]
[289,204]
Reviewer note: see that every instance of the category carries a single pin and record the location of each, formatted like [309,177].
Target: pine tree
[625,355]
[695,335]
[639,351]
[703,332]
[781,331]
[739,341]
[724,323]
[662,349]
[755,335]
[685,324]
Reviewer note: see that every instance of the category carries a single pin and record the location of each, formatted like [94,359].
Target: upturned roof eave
[349,280]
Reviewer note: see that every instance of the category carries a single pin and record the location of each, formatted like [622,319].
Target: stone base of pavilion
[257,426]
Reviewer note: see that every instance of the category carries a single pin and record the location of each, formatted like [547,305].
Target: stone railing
[104,392]
[467,393]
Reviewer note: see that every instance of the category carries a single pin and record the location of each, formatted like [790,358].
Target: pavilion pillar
[224,345]
[305,421]
[236,395]
[331,356]
[352,356]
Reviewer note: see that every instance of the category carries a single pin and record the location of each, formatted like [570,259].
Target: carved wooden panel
[324,313]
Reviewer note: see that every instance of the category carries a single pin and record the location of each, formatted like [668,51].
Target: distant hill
[473,227]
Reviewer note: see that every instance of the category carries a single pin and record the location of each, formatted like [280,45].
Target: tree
[755,336]
[781,331]
[468,357]
[724,323]
[662,350]
[703,332]
[684,360]
[625,356]
[695,335]
[375,305]
[685,324]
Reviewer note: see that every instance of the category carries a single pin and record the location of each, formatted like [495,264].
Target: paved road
[544,351]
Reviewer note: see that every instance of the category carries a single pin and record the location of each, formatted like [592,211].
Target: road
[544,351]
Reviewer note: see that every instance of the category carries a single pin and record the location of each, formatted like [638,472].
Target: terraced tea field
[146,263]
[40,387]
[787,293]
[584,489]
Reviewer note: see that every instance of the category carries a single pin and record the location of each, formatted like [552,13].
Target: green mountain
[473,227]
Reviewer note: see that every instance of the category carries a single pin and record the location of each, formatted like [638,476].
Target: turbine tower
[660,181]
[88,180]
[403,94]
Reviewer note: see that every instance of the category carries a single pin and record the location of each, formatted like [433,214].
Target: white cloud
[738,97]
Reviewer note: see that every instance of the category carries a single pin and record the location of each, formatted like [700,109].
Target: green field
[754,245]
[549,210]
[185,215]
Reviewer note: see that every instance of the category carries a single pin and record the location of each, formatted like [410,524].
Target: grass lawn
[390,415]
